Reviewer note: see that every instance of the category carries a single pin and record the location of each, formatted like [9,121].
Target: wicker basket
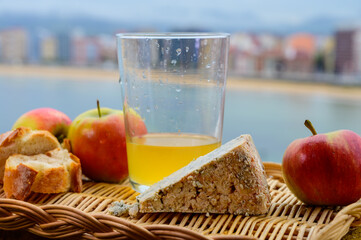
[84,215]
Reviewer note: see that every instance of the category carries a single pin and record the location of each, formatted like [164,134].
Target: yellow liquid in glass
[154,156]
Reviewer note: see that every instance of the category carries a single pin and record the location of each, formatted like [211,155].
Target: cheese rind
[230,179]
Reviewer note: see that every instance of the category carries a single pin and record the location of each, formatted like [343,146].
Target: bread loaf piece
[24,141]
[231,179]
[53,172]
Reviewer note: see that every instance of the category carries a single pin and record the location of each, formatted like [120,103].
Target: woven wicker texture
[84,215]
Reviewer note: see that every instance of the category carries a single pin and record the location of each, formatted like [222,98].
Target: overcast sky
[270,11]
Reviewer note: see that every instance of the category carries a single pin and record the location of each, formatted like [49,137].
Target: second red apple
[324,169]
[98,138]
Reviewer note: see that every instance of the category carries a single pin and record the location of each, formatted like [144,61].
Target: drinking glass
[174,83]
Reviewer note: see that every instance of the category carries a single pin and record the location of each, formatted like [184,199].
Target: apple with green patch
[324,169]
[97,138]
[48,119]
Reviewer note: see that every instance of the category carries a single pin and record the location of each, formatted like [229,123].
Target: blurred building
[270,57]
[86,50]
[324,59]
[299,52]
[49,49]
[42,47]
[14,46]
[33,46]
[348,51]
[64,47]
[252,54]
[243,51]
[108,51]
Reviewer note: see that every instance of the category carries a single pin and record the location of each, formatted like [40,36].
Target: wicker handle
[56,221]
[340,225]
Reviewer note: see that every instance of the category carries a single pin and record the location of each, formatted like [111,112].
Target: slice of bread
[230,179]
[24,141]
[53,172]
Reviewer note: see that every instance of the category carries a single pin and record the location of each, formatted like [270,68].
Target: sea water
[273,119]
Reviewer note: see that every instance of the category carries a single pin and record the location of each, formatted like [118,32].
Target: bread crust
[76,180]
[52,180]
[66,144]
[18,182]
[9,137]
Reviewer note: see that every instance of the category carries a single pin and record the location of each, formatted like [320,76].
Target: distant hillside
[91,25]
[320,25]
[60,24]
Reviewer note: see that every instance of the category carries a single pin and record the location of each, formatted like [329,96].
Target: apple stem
[98,106]
[309,125]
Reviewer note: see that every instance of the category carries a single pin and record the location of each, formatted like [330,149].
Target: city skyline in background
[283,39]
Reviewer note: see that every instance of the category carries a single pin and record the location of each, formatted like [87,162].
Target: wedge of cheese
[230,179]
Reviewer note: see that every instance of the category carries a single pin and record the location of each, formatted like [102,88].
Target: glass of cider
[174,83]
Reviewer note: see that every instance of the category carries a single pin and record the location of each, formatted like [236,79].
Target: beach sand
[239,83]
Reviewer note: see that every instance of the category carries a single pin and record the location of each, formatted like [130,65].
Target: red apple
[324,169]
[48,119]
[97,137]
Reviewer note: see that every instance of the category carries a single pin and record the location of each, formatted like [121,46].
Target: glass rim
[172,35]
